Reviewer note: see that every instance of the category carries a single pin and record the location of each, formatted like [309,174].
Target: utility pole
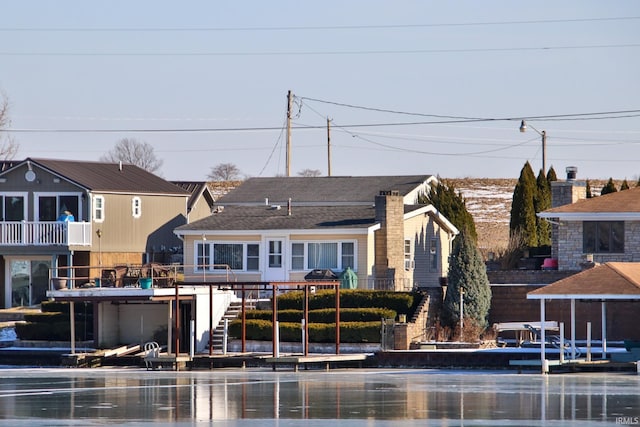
[544,151]
[289,105]
[328,146]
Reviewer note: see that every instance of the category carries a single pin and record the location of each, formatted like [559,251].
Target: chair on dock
[151,353]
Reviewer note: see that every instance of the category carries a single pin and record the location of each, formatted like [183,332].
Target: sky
[409,87]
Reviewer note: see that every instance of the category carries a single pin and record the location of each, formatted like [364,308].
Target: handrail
[125,274]
[45,233]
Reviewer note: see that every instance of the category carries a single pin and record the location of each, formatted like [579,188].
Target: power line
[557,117]
[314,28]
[318,53]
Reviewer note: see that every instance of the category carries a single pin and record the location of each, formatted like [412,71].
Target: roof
[255,218]
[613,280]
[107,177]
[331,189]
[197,189]
[621,204]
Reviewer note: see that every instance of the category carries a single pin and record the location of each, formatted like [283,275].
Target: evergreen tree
[609,187]
[452,205]
[467,271]
[625,185]
[551,175]
[542,202]
[523,215]
[589,195]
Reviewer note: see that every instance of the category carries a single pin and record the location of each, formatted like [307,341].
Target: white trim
[266,233]
[136,207]
[596,297]
[93,208]
[431,210]
[591,216]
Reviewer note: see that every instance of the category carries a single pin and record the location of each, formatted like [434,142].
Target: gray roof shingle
[108,177]
[331,190]
[234,218]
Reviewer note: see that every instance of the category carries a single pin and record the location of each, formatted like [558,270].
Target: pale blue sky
[125,65]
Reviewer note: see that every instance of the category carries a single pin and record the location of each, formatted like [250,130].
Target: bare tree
[129,150]
[310,172]
[8,147]
[225,172]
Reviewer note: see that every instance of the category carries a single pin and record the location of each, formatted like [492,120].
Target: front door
[275,262]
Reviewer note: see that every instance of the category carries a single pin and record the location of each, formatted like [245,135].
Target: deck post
[561,343]
[543,359]
[573,329]
[603,306]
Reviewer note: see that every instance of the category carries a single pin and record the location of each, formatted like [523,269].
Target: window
[348,255]
[407,254]
[98,208]
[136,207]
[203,251]
[13,207]
[603,237]
[237,256]
[51,206]
[323,255]
[275,254]
[297,256]
[253,257]
[433,254]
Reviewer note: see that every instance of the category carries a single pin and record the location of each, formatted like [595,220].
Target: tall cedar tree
[551,175]
[467,270]
[589,193]
[523,214]
[542,202]
[452,206]
[624,185]
[609,187]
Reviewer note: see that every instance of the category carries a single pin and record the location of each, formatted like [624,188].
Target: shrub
[326,315]
[350,332]
[400,302]
[53,331]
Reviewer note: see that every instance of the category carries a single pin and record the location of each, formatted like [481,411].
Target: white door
[275,262]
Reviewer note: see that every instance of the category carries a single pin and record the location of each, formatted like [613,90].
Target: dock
[318,359]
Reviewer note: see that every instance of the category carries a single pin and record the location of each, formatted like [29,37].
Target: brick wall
[509,303]
[389,240]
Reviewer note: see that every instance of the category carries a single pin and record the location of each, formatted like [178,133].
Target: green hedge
[53,331]
[350,332]
[400,302]
[326,315]
[52,324]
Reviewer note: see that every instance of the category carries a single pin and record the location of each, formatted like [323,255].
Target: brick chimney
[389,240]
[569,191]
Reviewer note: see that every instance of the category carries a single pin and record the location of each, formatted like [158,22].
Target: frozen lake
[258,397]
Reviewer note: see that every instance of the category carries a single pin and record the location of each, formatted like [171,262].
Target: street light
[543,134]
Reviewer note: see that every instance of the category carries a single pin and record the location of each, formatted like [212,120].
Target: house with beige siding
[120,214]
[283,228]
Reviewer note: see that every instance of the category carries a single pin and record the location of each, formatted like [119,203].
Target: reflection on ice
[244,396]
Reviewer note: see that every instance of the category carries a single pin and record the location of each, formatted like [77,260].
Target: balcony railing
[45,233]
